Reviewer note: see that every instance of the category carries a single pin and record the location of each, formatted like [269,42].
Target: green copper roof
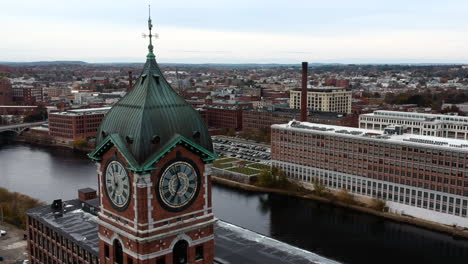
[151,114]
[148,165]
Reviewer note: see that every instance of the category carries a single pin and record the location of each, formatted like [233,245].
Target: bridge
[19,128]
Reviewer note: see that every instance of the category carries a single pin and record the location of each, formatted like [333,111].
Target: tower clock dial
[178,185]
[117,185]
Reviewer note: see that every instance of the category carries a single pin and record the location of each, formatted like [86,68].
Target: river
[336,233]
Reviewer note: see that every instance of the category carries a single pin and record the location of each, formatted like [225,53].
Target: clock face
[178,185]
[117,185]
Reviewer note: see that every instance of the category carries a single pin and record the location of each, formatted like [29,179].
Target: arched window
[180,252]
[118,252]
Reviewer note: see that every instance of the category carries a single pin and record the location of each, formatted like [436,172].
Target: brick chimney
[130,81]
[86,194]
[304,93]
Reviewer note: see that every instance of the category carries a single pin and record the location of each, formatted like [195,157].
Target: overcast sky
[237,31]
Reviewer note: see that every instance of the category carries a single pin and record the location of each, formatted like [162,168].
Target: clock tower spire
[154,158]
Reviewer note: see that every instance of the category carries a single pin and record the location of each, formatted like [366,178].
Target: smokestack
[304,93]
[130,81]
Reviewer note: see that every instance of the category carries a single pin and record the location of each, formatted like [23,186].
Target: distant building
[462,107]
[80,123]
[224,117]
[27,94]
[264,118]
[6,97]
[421,176]
[57,92]
[436,125]
[323,99]
[337,83]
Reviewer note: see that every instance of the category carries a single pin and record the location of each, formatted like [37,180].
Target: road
[12,245]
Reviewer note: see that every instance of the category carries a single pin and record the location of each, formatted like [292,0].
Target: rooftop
[86,111]
[418,116]
[74,223]
[323,89]
[233,244]
[376,135]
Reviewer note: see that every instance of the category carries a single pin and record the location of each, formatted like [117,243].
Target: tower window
[199,252]
[106,251]
[161,261]
[129,260]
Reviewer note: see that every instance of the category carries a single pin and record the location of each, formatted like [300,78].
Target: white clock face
[178,185]
[117,184]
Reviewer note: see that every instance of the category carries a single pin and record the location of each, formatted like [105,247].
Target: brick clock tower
[153,159]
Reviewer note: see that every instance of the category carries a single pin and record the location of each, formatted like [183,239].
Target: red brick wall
[158,213]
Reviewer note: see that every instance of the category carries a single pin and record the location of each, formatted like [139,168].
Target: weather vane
[150,27]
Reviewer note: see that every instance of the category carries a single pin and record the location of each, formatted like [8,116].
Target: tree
[80,143]
[378,205]
[345,196]
[265,178]
[274,177]
[319,188]
[39,114]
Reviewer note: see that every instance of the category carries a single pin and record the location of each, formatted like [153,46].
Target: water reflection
[354,237]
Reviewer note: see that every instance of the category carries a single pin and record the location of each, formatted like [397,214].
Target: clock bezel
[158,183]
[118,208]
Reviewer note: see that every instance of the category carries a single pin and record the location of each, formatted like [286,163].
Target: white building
[447,126]
[323,99]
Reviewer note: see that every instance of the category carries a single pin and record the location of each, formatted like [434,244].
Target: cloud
[105,42]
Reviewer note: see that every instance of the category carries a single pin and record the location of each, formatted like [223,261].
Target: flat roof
[323,89]
[75,224]
[377,135]
[85,111]
[233,244]
[417,116]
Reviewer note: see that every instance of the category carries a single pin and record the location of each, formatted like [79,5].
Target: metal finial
[150,26]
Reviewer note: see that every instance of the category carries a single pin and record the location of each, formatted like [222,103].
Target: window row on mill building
[407,171]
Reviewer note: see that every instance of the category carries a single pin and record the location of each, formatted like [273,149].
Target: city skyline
[237,32]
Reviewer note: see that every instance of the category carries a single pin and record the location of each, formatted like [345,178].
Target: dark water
[336,233]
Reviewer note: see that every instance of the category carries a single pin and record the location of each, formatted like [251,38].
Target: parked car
[3,232]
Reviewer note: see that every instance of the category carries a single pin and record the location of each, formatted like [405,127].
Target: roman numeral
[124,194]
[125,187]
[189,189]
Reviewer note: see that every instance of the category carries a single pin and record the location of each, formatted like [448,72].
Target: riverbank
[47,141]
[433,226]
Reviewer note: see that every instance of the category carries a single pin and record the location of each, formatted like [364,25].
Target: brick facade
[148,232]
[408,173]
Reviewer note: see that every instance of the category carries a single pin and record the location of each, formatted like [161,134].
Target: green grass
[222,165]
[259,166]
[223,160]
[247,171]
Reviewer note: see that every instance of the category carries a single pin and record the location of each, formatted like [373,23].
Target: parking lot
[241,149]
[12,245]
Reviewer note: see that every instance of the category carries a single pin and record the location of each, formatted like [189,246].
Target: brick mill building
[65,232]
[25,94]
[422,176]
[78,123]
